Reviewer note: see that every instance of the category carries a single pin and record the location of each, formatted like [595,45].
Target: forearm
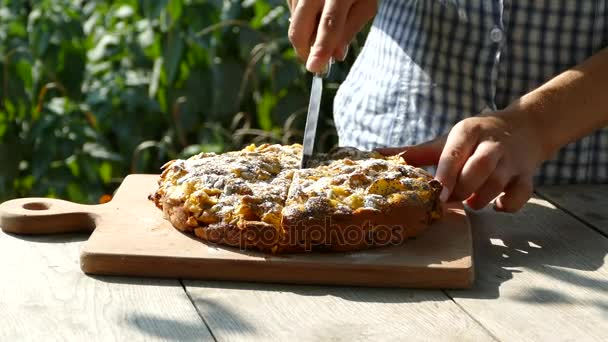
[569,106]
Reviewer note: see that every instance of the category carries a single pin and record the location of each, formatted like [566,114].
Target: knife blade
[312,117]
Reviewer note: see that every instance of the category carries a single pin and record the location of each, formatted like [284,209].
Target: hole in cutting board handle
[46,216]
[36,206]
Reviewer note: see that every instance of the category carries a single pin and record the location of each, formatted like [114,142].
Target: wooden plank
[150,246]
[45,296]
[541,276]
[588,202]
[265,312]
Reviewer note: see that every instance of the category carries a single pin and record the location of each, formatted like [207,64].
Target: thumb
[424,154]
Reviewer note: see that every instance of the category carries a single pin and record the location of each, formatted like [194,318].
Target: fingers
[476,170]
[360,13]
[476,163]
[328,26]
[329,34]
[391,151]
[459,146]
[516,195]
[303,25]
[424,154]
[492,188]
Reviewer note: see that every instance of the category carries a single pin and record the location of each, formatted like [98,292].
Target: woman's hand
[321,29]
[483,157]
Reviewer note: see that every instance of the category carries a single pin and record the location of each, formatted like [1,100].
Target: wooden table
[541,275]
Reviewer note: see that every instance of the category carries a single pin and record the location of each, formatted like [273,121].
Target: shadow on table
[539,239]
[51,238]
[138,281]
[355,294]
[168,329]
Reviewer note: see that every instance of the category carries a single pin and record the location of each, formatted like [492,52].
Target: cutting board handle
[46,216]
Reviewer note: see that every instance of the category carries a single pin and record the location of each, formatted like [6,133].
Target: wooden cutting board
[130,237]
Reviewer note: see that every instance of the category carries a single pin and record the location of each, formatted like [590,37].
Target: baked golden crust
[257,198]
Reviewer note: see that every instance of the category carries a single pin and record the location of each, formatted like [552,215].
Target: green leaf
[174,46]
[124,11]
[285,74]
[217,148]
[261,9]
[191,150]
[152,8]
[100,50]
[10,108]
[164,21]
[146,38]
[40,41]
[71,68]
[227,78]
[273,15]
[175,10]
[291,103]
[24,185]
[58,105]
[231,10]
[154,81]
[41,164]
[72,164]
[10,156]
[98,151]
[24,71]
[76,193]
[3,124]
[105,172]
[265,106]
[16,28]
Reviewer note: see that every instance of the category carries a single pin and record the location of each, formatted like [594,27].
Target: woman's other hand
[483,158]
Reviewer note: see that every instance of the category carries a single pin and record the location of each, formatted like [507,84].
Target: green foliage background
[91,91]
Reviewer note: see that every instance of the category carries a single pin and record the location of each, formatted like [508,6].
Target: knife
[312,118]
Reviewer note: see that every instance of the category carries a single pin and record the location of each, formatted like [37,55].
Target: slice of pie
[258,198]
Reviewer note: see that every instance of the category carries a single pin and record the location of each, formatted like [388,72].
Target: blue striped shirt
[428,64]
